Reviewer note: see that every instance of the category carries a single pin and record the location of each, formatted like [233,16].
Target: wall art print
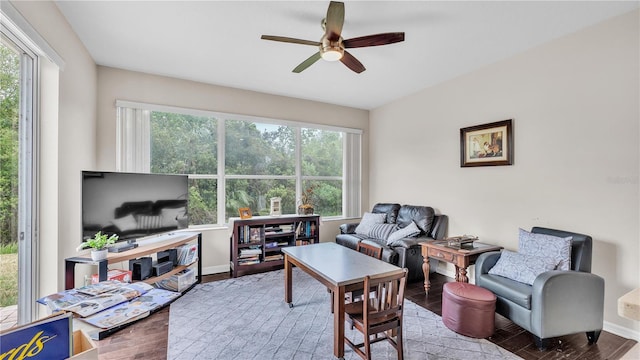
[487,145]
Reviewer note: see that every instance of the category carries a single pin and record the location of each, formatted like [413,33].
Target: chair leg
[399,343]
[541,344]
[367,346]
[592,336]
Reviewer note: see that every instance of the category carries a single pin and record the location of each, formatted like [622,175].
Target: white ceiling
[218,42]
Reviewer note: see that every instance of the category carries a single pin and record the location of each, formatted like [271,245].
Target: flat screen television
[133,205]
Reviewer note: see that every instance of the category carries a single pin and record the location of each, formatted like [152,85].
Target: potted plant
[99,244]
[306,202]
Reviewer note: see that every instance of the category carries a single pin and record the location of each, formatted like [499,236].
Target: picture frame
[245,213]
[276,206]
[487,144]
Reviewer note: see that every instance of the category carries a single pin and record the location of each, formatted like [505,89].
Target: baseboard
[215,269]
[621,331]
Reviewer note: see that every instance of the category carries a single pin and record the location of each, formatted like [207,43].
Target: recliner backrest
[388,208]
[421,215]
[580,247]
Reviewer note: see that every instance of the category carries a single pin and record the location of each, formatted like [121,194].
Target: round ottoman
[468,309]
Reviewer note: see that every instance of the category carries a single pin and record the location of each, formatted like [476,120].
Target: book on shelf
[274,257]
[249,252]
[187,254]
[248,262]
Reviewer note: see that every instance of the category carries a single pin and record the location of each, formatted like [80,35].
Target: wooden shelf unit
[258,236]
[152,246]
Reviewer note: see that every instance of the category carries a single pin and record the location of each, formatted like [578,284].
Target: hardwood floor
[147,339]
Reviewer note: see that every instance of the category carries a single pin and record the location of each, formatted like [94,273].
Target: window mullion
[221,193]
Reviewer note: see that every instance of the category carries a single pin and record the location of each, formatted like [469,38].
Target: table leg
[461,274]
[425,270]
[338,322]
[288,280]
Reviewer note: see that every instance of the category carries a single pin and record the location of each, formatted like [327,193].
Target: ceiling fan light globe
[332,55]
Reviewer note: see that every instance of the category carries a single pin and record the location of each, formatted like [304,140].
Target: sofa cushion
[521,267]
[368,220]
[390,209]
[408,231]
[558,248]
[382,231]
[516,292]
[422,216]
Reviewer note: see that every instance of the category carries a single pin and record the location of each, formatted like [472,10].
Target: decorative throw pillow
[547,246]
[520,267]
[381,231]
[407,231]
[125,223]
[368,220]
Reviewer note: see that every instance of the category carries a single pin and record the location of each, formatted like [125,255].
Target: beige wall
[116,84]
[67,139]
[575,107]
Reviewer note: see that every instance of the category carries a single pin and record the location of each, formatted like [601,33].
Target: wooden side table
[461,258]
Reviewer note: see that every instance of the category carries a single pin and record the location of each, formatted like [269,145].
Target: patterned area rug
[246,318]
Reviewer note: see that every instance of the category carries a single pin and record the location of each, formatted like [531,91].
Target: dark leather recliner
[559,302]
[405,253]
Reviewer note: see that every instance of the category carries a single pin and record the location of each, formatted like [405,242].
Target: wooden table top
[338,264]
[469,248]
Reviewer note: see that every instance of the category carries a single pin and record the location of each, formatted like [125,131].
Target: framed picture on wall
[487,145]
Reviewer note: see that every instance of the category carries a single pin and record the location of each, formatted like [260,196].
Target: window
[237,161]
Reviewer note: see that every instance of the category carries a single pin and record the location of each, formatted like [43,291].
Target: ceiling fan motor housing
[331,50]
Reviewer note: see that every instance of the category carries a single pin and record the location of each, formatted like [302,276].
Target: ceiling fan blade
[290,40]
[374,40]
[352,63]
[334,20]
[305,64]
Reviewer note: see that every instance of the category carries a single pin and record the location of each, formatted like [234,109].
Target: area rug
[247,318]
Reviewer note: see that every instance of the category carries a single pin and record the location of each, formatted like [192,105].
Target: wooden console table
[461,258]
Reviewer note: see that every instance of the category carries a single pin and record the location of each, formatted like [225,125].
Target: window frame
[351,151]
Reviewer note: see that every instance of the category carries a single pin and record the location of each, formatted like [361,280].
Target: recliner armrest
[485,262]
[407,243]
[581,296]
[348,228]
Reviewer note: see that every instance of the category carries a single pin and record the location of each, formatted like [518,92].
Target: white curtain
[351,191]
[133,140]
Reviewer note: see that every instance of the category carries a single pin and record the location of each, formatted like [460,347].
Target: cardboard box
[83,347]
[117,274]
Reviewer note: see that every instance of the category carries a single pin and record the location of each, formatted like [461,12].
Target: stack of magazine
[109,303]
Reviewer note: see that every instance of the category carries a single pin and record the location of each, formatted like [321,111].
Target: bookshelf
[256,243]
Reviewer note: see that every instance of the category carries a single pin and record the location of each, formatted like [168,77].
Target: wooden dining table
[340,269]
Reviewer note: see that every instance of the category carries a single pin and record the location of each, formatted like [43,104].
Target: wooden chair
[379,315]
[370,249]
[366,248]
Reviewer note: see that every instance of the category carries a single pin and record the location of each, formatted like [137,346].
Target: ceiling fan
[332,45]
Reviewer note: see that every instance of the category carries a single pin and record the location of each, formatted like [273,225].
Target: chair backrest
[580,247]
[373,250]
[385,303]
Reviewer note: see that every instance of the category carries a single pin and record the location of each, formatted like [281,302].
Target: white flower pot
[97,255]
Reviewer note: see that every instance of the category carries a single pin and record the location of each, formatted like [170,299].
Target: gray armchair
[559,302]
